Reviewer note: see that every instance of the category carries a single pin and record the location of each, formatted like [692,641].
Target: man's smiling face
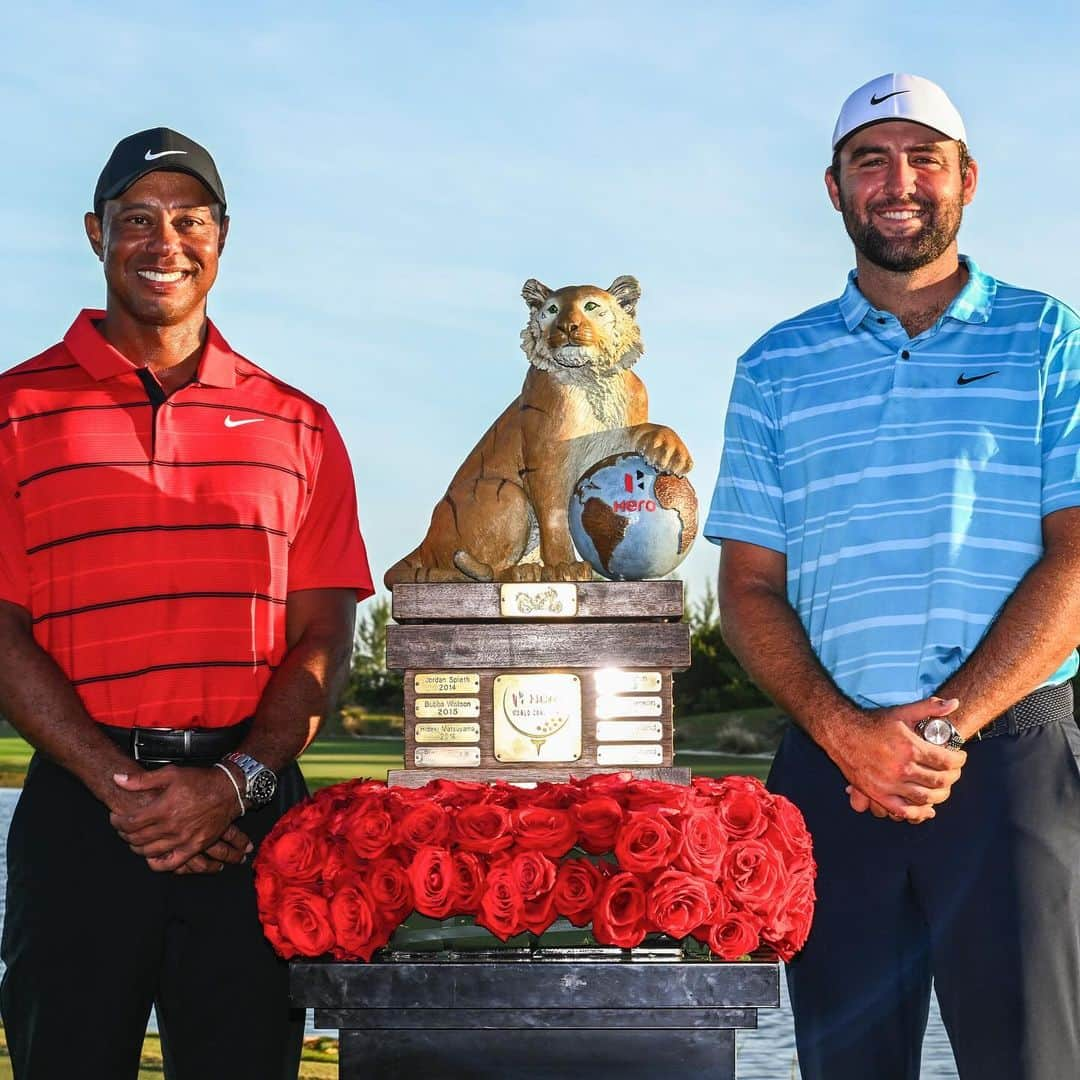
[901,190]
[160,241]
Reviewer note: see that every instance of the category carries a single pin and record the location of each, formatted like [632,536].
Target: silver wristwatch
[940,732]
[260,782]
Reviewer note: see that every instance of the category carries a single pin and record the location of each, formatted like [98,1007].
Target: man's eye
[551,310]
[591,306]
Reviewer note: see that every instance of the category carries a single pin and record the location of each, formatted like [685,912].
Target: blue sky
[395,173]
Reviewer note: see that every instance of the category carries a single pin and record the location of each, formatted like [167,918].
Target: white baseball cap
[898,97]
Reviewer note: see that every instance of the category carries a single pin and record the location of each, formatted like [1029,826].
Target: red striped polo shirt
[155,541]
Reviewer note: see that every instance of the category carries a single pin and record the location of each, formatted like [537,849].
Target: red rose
[456,793]
[577,885]
[468,883]
[431,874]
[646,841]
[268,889]
[534,874]
[679,902]
[598,820]
[368,828]
[296,854]
[742,813]
[539,913]
[612,784]
[424,823]
[619,918]
[483,827]
[787,926]
[501,905]
[550,795]
[703,842]
[340,859]
[735,935]
[544,829]
[391,891]
[303,924]
[787,831]
[357,930]
[753,874]
[642,794]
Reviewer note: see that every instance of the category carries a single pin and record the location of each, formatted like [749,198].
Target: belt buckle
[135,742]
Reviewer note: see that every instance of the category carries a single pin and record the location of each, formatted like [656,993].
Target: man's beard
[940,224]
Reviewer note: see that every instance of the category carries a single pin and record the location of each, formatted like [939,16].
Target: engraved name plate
[610,705]
[442,733]
[629,731]
[617,681]
[618,754]
[446,682]
[443,708]
[537,717]
[544,600]
[427,757]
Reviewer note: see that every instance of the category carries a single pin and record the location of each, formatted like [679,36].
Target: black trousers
[984,900]
[93,937]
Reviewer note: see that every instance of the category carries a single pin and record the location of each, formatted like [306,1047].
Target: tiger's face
[582,327]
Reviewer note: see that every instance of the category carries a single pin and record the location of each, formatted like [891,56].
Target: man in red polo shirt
[179,568]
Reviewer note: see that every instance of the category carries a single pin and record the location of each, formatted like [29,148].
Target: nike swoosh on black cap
[151,150]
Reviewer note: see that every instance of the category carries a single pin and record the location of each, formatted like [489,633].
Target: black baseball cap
[147,152]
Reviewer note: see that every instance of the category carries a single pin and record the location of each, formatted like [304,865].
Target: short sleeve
[14,565]
[1061,425]
[747,502]
[328,551]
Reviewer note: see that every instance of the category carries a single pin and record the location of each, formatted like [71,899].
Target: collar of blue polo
[972,304]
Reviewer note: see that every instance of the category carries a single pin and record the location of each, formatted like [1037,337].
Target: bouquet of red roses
[723,861]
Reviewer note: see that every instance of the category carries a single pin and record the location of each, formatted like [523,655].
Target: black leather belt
[177,746]
[1046,705]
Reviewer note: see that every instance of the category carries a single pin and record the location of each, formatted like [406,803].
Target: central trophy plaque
[537,681]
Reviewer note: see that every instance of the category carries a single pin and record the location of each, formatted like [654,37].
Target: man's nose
[164,238]
[900,178]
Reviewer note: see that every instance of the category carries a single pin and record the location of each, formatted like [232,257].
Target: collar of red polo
[217,366]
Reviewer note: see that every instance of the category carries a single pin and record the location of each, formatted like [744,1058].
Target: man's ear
[832,187]
[94,233]
[223,231]
[971,181]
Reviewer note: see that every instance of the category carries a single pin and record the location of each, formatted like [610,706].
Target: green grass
[332,759]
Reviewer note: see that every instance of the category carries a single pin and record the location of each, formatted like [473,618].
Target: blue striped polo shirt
[905,479]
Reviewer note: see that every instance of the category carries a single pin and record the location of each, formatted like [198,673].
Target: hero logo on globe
[629,521]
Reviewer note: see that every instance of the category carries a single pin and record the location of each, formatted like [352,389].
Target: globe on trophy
[630,521]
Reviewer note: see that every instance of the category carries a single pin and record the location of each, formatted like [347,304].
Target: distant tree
[716,681]
[370,685]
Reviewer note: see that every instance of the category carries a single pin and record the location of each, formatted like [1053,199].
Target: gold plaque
[427,757]
[629,730]
[616,754]
[456,733]
[610,705]
[537,717]
[544,600]
[446,682]
[443,708]
[617,681]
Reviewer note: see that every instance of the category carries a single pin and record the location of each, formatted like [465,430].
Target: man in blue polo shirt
[899,507]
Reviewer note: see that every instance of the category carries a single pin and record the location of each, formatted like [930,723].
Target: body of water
[765,1054]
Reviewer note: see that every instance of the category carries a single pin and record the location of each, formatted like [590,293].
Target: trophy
[517,662]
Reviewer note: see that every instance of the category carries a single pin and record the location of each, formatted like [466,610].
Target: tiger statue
[504,515]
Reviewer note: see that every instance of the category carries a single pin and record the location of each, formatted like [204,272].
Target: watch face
[937,731]
[262,786]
